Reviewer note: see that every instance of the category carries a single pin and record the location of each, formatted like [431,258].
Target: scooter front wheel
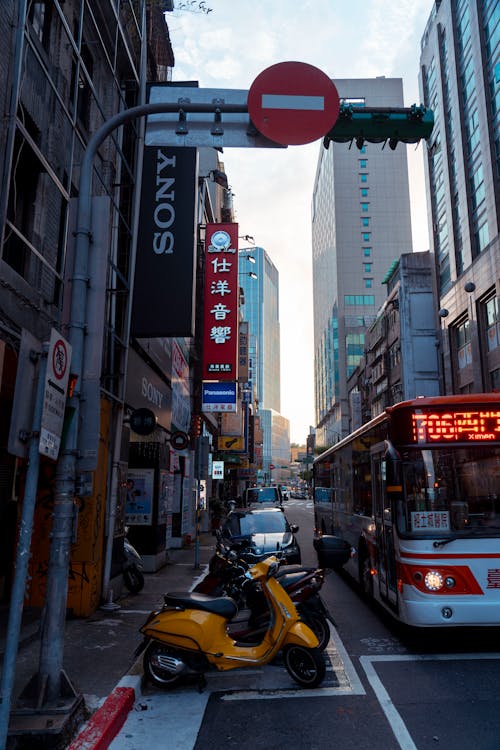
[305,665]
[162,667]
[133,580]
[319,625]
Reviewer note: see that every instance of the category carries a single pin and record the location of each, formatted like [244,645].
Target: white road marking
[290,101]
[394,718]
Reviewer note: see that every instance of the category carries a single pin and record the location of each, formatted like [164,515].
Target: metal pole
[22,556]
[52,641]
[198,508]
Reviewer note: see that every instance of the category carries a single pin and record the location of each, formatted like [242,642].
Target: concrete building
[360,225]
[402,357]
[460,82]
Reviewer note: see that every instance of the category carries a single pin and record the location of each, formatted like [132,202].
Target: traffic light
[196,422]
[381,125]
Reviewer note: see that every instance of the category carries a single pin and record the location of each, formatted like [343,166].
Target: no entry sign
[293,103]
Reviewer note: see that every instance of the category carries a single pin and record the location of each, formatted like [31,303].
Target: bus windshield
[454,491]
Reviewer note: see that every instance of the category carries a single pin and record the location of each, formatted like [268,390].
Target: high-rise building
[259,282]
[360,225]
[460,82]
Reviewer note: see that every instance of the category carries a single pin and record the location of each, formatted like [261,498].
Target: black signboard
[164,284]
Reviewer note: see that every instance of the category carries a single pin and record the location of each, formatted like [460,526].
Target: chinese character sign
[220,340]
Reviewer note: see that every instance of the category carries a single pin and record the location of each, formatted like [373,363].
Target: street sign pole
[22,557]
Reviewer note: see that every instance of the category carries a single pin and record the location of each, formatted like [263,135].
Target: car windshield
[239,524]
[454,491]
[263,495]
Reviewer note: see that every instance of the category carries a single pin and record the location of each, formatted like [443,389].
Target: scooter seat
[287,569]
[290,579]
[217,605]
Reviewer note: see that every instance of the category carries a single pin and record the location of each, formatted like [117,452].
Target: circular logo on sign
[143,421]
[59,359]
[179,440]
[221,240]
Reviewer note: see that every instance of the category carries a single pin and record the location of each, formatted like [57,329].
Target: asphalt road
[386,688]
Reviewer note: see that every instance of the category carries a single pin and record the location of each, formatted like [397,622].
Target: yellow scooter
[188,635]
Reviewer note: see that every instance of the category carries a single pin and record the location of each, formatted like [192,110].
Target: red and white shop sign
[220,338]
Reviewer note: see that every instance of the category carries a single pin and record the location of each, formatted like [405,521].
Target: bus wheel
[365,575]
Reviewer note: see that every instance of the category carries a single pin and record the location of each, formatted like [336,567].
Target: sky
[228,48]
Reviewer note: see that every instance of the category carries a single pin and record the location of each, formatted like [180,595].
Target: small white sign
[218,470]
[430,520]
[54,395]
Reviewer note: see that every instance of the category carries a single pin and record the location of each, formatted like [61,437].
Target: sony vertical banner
[164,287]
[220,337]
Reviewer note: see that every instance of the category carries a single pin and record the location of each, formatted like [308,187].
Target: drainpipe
[115,478]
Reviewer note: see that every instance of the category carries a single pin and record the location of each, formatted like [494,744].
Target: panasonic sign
[219,397]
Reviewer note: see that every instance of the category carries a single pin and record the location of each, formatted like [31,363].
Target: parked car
[266,530]
[263,495]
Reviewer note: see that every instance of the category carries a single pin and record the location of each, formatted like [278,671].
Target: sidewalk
[98,652]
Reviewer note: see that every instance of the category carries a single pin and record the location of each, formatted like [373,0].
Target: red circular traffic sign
[59,359]
[293,103]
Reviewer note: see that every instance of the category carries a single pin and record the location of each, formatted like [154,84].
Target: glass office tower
[460,82]
[260,307]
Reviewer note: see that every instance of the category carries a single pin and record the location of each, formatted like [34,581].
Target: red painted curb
[106,722]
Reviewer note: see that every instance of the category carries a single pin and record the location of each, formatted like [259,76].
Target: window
[482,236]
[367,251]
[367,267]
[364,206]
[366,236]
[365,221]
[40,16]
[492,309]
[462,337]
[477,187]
[359,299]
[364,192]
[363,177]
[362,163]
[368,283]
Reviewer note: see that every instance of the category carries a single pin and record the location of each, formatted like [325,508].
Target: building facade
[360,224]
[402,348]
[460,82]
[66,69]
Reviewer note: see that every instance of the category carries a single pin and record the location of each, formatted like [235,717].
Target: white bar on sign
[290,101]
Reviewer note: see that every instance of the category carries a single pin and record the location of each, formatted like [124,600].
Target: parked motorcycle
[226,576]
[132,568]
[189,635]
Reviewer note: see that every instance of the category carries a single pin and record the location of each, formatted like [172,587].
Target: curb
[106,722]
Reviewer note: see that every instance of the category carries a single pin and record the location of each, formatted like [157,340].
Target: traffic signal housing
[381,125]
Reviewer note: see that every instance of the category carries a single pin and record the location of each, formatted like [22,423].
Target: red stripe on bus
[452,556]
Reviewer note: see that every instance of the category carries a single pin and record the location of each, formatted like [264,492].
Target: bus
[416,493]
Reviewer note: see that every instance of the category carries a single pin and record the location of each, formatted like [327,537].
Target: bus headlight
[433,580]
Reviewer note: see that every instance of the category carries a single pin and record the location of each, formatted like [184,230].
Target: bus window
[449,491]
